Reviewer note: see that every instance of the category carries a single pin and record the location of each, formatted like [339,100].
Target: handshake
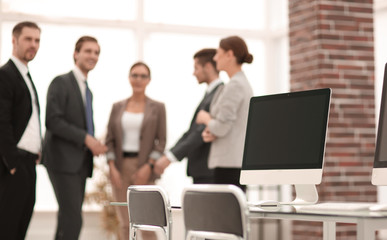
[95,146]
[161,164]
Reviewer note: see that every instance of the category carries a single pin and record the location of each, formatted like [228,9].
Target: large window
[226,14]
[87,9]
[163,33]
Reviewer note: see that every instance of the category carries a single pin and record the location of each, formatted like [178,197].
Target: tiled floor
[43,224]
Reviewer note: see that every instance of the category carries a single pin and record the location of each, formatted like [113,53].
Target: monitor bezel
[317,165]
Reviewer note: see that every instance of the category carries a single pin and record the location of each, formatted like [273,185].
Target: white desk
[367,222]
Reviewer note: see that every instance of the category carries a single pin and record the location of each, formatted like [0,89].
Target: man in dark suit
[20,138]
[191,144]
[69,144]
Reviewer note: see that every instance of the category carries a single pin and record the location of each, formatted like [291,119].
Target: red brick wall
[332,45]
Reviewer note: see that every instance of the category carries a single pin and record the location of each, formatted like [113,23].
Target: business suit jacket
[191,144]
[15,112]
[152,133]
[64,149]
[229,111]
[19,189]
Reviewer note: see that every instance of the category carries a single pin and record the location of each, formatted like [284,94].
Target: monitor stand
[306,194]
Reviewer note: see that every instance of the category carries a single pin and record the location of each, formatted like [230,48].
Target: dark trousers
[69,191]
[228,176]
[17,197]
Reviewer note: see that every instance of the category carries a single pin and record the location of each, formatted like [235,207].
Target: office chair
[149,209]
[215,212]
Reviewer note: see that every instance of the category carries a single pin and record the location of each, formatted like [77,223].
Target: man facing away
[20,137]
[69,144]
[191,144]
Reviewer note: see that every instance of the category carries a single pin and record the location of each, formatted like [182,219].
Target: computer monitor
[285,141]
[379,171]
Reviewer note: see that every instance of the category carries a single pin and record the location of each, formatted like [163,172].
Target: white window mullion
[140,30]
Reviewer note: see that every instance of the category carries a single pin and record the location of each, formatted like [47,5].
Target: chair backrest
[215,212]
[149,209]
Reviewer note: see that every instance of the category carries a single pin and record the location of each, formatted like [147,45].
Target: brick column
[332,45]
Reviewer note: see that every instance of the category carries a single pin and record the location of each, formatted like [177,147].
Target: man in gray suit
[191,144]
[69,144]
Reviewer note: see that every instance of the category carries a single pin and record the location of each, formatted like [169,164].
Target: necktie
[35,93]
[36,102]
[89,112]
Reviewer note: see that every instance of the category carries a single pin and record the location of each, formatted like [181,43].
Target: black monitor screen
[381,140]
[287,131]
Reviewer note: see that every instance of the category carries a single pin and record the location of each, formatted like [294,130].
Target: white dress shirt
[213,85]
[31,138]
[81,80]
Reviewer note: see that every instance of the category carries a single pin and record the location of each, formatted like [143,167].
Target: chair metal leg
[133,234]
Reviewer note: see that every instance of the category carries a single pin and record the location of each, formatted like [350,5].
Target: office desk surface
[367,221]
[299,210]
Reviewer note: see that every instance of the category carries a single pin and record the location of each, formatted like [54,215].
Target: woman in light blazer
[227,119]
[136,138]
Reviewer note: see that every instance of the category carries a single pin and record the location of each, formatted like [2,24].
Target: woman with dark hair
[227,119]
[136,138]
